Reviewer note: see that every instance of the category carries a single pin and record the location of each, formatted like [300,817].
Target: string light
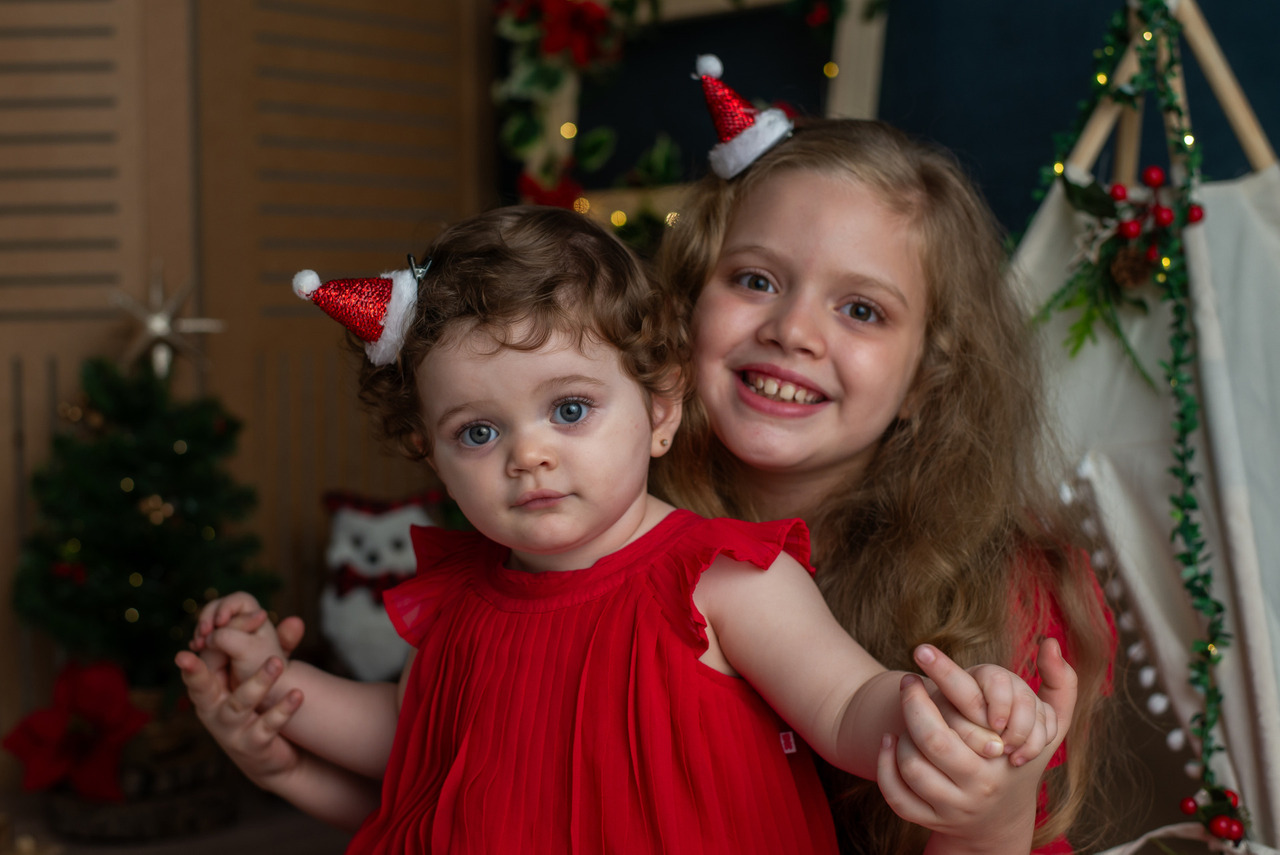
[618,218]
[126,484]
[671,218]
[180,447]
[131,615]
[135,579]
[568,130]
[582,205]
[831,69]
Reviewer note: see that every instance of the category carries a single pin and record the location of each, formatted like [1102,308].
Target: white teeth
[771,388]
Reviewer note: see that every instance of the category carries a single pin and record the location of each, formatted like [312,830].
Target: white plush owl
[369,552]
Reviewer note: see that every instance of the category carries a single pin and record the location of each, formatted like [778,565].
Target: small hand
[251,739]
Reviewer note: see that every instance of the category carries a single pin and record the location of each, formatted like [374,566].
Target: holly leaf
[520,132]
[594,148]
[1090,198]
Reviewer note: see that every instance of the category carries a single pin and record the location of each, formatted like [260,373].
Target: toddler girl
[594,670]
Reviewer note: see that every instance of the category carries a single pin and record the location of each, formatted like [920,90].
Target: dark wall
[995,81]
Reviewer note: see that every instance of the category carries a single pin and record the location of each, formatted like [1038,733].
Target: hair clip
[745,133]
[418,273]
[377,309]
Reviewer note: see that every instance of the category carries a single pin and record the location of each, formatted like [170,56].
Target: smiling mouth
[778,390]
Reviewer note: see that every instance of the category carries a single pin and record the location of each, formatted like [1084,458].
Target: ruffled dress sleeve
[699,542]
[446,561]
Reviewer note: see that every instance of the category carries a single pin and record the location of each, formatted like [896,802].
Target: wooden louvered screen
[230,143]
[336,136]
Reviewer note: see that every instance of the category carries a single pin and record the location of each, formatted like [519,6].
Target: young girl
[861,363]
[596,671]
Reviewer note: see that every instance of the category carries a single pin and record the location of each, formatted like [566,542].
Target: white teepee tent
[1117,429]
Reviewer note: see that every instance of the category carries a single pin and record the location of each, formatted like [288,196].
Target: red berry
[1220,826]
[1119,192]
[1232,797]
[1163,215]
[1194,215]
[1153,253]
[1129,229]
[1153,177]
[1188,806]
[1235,830]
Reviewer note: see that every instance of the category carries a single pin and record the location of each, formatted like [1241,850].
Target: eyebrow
[549,383]
[857,277]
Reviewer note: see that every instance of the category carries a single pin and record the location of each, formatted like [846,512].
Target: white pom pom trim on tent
[729,158]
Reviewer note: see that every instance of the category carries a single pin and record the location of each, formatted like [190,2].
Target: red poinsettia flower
[819,14]
[579,26]
[81,736]
[562,195]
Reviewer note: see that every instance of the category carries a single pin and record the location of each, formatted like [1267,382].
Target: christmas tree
[133,537]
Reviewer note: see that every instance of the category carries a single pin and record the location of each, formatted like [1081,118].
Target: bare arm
[774,628]
[253,742]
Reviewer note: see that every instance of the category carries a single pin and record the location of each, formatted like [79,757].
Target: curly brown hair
[950,519]
[547,270]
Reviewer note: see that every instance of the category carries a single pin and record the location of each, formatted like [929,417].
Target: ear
[667,413]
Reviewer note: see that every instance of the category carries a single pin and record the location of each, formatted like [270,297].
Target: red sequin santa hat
[745,132]
[377,309]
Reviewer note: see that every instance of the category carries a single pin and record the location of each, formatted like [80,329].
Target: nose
[794,325]
[529,451]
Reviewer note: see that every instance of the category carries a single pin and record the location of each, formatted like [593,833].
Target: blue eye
[474,436]
[570,412]
[755,282]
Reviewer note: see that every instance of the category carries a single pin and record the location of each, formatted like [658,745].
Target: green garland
[1098,288]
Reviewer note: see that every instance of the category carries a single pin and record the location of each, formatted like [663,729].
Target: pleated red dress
[567,712]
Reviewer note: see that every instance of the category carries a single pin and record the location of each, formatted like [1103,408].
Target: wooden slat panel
[348,135]
[87,120]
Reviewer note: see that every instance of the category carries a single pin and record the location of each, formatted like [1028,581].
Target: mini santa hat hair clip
[378,310]
[745,132]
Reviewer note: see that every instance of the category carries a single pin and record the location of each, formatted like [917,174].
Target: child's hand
[931,778]
[989,698]
[252,740]
[233,635]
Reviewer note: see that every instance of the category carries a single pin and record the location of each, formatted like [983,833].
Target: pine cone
[1131,269]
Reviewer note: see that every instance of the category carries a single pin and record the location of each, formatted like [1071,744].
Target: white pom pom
[1137,652]
[1101,558]
[1115,590]
[1176,740]
[1127,622]
[1147,677]
[305,282]
[709,65]
[1066,493]
[1158,704]
[1085,469]
[1192,769]
[1089,527]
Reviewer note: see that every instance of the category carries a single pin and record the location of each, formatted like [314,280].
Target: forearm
[333,795]
[873,710]
[346,722]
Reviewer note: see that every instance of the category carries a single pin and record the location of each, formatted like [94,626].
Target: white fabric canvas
[1117,430]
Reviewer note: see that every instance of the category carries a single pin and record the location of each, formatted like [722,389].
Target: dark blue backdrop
[992,81]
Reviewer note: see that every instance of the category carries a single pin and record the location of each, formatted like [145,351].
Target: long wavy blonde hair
[953,519]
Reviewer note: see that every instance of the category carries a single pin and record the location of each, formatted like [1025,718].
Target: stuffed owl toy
[369,552]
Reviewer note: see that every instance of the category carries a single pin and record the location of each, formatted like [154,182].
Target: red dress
[567,712]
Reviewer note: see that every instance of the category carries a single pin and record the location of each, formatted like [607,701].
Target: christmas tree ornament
[745,132]
[376,309]
[162,330]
